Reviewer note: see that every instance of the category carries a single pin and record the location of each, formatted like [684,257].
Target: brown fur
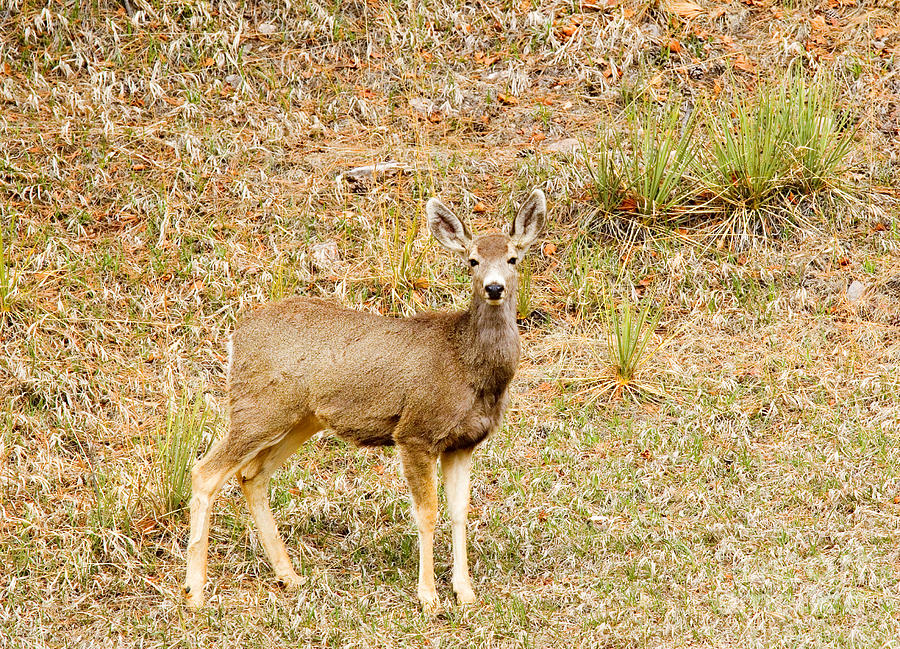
[444,374]
[434,384]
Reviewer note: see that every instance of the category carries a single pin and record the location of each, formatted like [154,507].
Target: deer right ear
[447,228]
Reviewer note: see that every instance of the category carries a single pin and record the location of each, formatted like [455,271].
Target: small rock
[856,290]
[326,255]
[267,29]
[234,80]
[568,145]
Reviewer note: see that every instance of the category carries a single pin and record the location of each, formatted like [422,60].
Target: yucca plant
[188,430]
[747,165]
[819,138]
[629,331]
[607,185]
[655,155]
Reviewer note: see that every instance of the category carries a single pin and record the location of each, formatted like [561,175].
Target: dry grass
[163,171]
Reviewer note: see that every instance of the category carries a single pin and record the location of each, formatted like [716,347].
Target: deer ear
[447,228]
[529,222]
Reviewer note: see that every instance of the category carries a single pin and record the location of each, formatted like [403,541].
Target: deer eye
[473,263]
[513,260]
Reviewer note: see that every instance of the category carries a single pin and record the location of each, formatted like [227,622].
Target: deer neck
[489,344]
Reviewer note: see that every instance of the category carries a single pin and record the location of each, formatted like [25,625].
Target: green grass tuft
[629,329]
[641,172]
[188,430]
[821,137]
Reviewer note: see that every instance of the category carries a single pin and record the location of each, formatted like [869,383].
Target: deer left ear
[529,222]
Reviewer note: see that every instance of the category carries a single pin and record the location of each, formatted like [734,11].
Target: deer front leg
[456,467]
[419,470]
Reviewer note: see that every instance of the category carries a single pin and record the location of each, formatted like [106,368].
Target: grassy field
[166,165]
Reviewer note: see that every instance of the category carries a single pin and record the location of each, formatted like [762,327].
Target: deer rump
[373,380]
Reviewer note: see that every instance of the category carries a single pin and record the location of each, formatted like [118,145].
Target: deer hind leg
[419,470]
[207,477]
[456,467]
[255,478]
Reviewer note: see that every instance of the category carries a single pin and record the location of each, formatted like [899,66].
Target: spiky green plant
[641,172]
[747,165]
[655,155]
[607,185]
[188,429]
[629,332]
[820,139]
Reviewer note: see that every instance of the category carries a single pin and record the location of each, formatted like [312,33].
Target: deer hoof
[193,596]
[430,601]
[291,581]
[465,595]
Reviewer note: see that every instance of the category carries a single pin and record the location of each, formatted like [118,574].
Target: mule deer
[434,384]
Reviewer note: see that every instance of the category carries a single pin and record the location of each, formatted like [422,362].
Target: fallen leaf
[674,45]
[568,31]
[549,249]
[628,204]
[480,208]
[486,60]
[508,100]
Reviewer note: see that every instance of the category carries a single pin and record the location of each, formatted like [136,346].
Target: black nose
[494,291]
